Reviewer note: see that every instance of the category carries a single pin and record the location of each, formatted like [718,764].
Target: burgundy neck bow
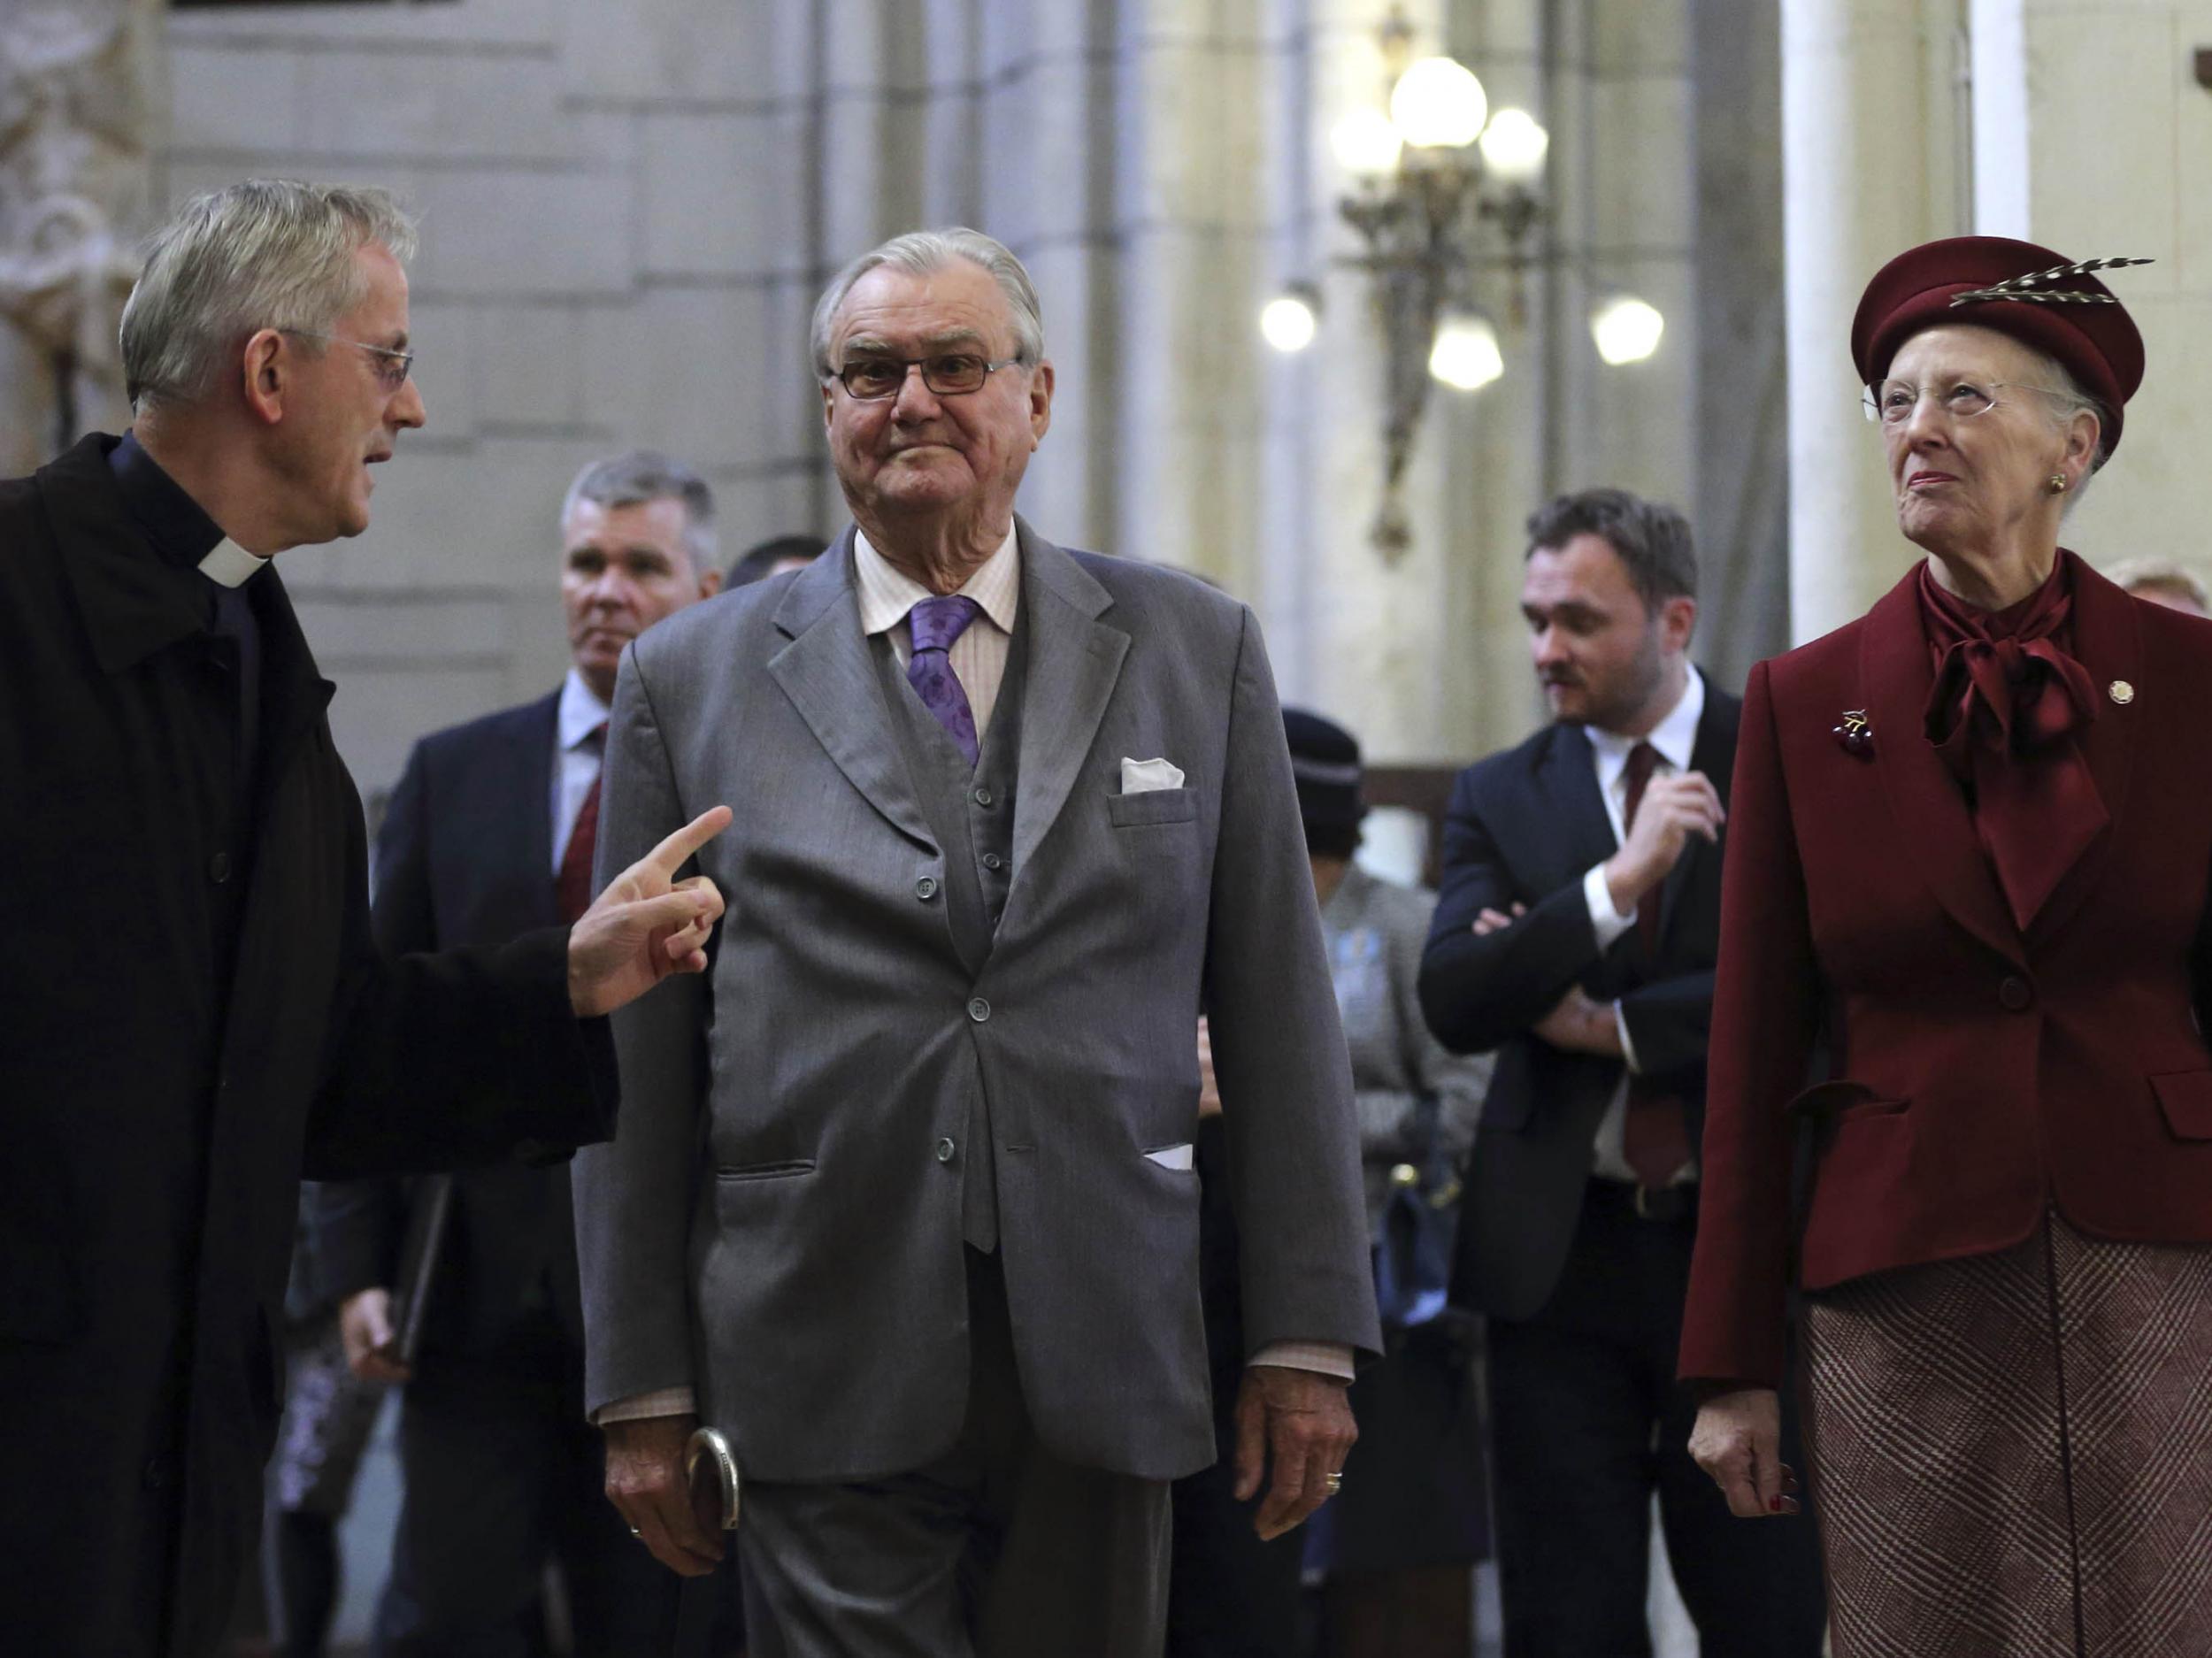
[2008,703]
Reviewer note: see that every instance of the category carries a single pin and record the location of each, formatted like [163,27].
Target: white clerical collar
[229,565]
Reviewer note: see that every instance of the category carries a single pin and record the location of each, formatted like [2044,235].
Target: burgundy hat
[2039,297]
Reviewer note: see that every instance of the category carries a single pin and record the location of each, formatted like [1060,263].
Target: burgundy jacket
[1982,1074]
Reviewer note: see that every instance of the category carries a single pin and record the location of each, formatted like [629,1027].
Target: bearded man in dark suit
[1575,927]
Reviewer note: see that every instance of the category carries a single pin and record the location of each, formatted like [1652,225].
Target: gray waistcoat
[971,814]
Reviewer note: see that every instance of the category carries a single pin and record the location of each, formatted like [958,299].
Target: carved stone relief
[79,112]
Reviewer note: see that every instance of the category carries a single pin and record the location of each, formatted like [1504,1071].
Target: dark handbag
[1414,1235]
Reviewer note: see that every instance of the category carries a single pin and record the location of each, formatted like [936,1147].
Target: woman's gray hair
[268,253]
[640,476]
[920,252]
[2066,399]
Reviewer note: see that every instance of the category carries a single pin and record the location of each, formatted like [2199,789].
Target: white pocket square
[1171,1156]
[1141,777]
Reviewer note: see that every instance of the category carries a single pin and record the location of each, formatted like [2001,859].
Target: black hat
[1324,760]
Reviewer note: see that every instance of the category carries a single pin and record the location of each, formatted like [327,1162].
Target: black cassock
[193,1015]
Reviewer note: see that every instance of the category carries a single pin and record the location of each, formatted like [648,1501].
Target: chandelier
[1444,189]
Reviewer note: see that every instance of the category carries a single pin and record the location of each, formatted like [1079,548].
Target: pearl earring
[2058,483]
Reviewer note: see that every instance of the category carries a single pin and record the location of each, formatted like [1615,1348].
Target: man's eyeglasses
[1893,400]
[872,379]
[392,367]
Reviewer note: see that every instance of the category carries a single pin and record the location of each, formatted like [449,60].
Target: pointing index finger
[666,858]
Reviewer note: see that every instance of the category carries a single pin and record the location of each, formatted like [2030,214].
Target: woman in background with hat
[1967,866]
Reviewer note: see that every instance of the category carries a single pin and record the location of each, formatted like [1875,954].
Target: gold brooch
[1856,733]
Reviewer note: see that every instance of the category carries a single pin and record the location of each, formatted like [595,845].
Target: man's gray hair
[268,253]
[920,252]
[638,476]
[2161,575]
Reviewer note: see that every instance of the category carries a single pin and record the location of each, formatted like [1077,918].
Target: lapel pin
[2121,692]
[1856,733]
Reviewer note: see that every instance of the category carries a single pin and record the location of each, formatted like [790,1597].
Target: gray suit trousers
[998,1549]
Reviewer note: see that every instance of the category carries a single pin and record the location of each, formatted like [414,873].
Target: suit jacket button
[983,797]
[926,888]
[2016,994]
[218,868]
[978,1010]
[993,862]
[945,1149]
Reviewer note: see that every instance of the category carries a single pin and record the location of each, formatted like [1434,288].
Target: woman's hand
[1738,1441]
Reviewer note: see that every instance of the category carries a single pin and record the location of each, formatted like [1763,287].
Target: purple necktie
[936,623]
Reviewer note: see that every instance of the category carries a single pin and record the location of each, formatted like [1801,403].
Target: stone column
[1870,90]
[2055,87]
[79,104]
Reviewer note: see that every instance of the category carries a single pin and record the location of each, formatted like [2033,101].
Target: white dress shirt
[1675,737]
[887,594]
[576,756]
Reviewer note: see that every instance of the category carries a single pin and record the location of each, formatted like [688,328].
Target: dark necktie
[572,885]
[1656,1135]
[936,623]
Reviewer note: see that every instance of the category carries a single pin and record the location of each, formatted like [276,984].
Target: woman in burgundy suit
[1968,863]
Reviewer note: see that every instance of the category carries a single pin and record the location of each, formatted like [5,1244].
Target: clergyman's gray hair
[918,253]
[268,253]
[638,476]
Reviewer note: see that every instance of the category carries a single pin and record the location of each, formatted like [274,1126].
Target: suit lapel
[525,798]
[1713,754]
[1568,778]
[1074,664]
[2107,641]
[826,672]
[1935,830]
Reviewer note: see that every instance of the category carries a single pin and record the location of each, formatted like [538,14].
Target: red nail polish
[1774,1504]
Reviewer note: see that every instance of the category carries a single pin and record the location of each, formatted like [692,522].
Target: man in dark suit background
[490,833]
[1575,932]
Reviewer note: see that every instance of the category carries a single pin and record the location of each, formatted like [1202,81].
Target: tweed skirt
[2012,1454]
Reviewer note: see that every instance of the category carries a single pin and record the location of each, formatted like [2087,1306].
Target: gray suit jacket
[773,1225]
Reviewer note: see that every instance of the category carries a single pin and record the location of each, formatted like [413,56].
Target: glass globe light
[1465,355]
[1364,143]
[1626,330]
[1287,322]
[1514,145]
[1439,104]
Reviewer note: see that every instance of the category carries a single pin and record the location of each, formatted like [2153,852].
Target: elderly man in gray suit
[902,1198]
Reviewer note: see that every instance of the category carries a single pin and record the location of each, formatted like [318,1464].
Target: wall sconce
[1430,167]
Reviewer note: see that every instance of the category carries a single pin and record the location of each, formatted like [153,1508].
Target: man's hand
[647,924]
[1738,1441]
[645,1481]
[365,1325]
[1673,809]
[1497,921]
[1299,1420]
[1209,1090]
[1579,1025]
